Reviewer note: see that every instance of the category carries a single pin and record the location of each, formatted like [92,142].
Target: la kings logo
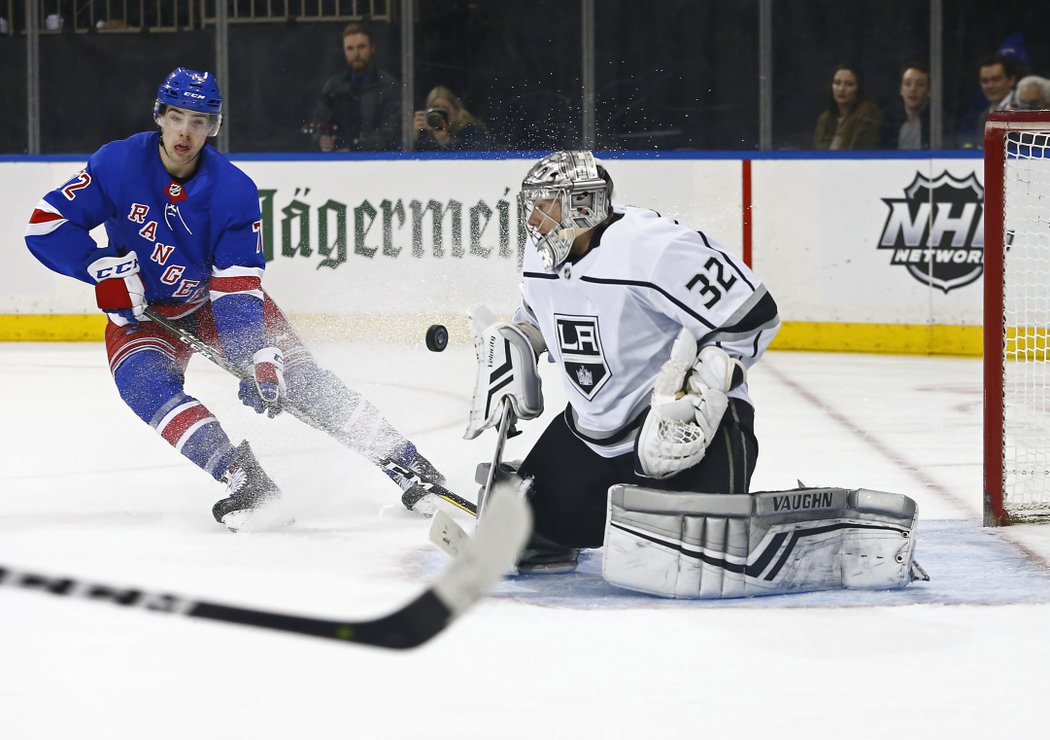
[936,230]
[581,353]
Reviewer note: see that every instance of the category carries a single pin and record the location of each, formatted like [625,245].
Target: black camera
[437,118]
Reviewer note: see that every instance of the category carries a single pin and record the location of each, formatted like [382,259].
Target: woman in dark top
[851,121]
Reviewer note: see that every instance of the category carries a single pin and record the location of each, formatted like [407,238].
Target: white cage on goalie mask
[571,180]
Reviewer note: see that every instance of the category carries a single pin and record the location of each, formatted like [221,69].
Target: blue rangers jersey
[196,240]
[609,319]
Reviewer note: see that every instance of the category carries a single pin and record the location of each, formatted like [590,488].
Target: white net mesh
[1026,313]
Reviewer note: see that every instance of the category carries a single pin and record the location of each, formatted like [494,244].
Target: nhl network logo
[936,230]
[581,353]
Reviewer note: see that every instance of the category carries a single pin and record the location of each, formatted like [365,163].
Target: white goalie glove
[688,403]
[507,355]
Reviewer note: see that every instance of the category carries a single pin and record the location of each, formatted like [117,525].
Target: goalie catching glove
[688,403]
[118,288]
[507,355]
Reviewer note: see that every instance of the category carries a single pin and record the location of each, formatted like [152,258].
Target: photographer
[359,109]
[446,125]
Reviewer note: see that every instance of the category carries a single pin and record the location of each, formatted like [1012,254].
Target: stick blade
[446,533]
[487,556]
[479,563]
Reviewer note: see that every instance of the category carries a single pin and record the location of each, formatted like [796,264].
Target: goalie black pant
[571,481]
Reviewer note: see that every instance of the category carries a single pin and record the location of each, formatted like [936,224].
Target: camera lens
[437,118]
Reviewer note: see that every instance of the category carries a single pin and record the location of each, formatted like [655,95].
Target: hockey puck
[437,338]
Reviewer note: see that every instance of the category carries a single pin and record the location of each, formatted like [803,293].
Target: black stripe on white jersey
[728,258]
[762,314]
[634,283]
[652,286]
[627,431]
[758,312]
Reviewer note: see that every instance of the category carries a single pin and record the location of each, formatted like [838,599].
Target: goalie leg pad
[702,545]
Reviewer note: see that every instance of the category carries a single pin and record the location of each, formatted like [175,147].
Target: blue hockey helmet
[190,90]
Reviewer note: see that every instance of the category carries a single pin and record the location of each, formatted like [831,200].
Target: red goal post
[1016,317]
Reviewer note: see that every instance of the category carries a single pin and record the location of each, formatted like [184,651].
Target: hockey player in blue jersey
[183,226]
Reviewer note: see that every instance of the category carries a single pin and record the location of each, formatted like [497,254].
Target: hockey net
[1017,318]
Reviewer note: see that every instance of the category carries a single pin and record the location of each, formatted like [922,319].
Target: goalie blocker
[709,546]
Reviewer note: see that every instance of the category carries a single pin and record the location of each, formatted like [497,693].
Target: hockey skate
[254,501]
[415,497]
[542,556]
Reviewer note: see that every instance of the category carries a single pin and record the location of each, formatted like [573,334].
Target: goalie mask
[192,91]
[572,193]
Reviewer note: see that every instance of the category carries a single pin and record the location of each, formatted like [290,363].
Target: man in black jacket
[359,109]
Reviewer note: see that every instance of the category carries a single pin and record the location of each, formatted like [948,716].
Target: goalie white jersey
[609,320]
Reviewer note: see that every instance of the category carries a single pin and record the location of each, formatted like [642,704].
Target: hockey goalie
[654,326]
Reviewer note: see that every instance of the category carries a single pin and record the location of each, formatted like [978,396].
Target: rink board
[861,253]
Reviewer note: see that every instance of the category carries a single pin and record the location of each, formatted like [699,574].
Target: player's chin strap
[340,435]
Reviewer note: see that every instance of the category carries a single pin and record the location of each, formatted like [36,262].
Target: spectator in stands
[359,109]
[447,125]
[851,121]
[910,128]
[998,75]
[1033,93]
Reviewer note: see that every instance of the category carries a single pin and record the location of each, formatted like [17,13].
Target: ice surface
[88,490]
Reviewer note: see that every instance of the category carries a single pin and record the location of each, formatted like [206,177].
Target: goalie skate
[254,501]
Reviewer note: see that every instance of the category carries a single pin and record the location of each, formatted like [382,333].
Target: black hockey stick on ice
[480,564]
[202,348]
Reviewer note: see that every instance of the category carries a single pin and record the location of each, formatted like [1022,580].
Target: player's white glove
[264,389]
[506,369]
[118,288]
[688,403]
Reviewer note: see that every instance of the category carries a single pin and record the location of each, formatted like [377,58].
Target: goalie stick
[444,531]
[506,428]
[479,564]
[209,353]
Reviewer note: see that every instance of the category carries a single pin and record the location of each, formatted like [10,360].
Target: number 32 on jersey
[714,283]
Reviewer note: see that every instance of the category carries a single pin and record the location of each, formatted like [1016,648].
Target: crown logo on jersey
[585,377]
[176,192]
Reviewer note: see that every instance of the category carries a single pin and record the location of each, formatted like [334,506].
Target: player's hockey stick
[202,348]
[481,562]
